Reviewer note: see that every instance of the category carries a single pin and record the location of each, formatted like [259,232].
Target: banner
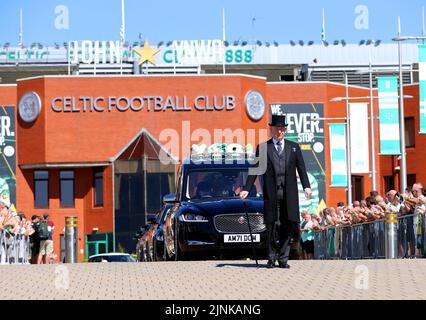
[422,87]
[305,128]
[388,116]
[358,113]
[339,177]
[7,155]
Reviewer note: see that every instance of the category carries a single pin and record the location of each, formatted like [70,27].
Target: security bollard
[71,236]
[391,239]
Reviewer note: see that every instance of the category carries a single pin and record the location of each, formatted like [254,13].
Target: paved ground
[195,280]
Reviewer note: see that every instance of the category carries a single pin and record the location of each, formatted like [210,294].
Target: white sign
[239,238]
[95,52]
[358,114]
[194,52]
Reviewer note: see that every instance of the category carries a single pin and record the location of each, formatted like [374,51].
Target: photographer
[394,202]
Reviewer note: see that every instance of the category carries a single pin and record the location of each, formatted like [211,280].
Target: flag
[358,113]
[339,166]
[321,207]
[388,115]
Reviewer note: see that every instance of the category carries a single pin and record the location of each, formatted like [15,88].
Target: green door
[98,243]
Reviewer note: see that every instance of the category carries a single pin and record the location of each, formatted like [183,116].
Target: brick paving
[219,280]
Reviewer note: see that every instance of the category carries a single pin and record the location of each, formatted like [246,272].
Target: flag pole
[224,38]
[403,171]
[122,35]
[69,57]
[323,39]
[21,28]
[423,24]
[174,58]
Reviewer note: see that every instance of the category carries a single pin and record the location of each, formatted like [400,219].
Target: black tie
[279,147]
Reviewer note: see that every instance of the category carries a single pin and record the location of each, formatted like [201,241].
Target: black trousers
[279,234]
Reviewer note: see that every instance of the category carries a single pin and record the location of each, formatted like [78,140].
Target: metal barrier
[367,240]
[14,248]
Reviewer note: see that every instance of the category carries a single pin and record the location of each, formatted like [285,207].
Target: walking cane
[251,234]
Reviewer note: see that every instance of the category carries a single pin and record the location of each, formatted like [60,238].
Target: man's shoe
[270,264]
[284,266]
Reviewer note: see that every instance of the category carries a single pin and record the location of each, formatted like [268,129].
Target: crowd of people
[39,231]
[374,207]
[13,222]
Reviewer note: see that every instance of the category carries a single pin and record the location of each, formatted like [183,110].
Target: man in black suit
[280,192]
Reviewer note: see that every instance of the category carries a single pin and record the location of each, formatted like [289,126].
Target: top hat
[278,121]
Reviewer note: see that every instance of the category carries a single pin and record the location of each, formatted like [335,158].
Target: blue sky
[165,20]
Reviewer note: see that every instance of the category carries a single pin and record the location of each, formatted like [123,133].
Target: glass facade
[140,182]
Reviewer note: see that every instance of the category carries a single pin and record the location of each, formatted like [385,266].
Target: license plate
[240,238]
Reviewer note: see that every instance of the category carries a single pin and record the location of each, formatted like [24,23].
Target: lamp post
[402,122]
[370,71]
[373,148]
[347,99]
[372,137]
[348,140]
[399,39]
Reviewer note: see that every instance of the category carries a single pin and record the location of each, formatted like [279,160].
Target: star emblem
[146,53]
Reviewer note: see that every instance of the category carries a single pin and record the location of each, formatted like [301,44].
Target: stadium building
[95,128]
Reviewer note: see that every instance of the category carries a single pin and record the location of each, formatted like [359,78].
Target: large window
[410,133]
[66,180]
[98,186]
[41,189]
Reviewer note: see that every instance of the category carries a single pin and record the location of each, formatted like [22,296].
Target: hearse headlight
[194,217]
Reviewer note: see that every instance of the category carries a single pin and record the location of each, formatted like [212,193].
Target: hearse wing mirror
[170,198]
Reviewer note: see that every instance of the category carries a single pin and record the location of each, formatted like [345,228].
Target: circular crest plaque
[255,105]
[29,107]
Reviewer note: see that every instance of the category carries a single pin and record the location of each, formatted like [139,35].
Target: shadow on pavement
[242,265]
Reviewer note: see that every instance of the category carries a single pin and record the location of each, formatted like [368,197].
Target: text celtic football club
[140,103]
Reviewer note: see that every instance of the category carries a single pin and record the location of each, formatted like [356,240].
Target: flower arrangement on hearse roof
[220,151]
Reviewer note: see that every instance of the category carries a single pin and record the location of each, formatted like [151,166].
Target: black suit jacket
[293,161]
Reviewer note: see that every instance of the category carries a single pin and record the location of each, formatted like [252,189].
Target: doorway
[357,188]
[98,243]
